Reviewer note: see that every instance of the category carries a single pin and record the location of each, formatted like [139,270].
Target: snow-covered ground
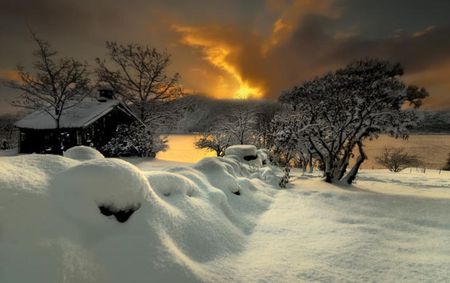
[375,231]
[104,220]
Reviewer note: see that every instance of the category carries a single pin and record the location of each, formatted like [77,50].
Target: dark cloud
[249,45]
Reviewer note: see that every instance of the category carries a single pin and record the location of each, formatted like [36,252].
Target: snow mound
[102,187]
[169,184]
[264,156]
[106,220]
[82,153]
[245,152]
[269,176]
[220,174]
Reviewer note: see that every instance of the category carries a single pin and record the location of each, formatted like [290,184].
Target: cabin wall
[42,141]
[96,135]
[104,129]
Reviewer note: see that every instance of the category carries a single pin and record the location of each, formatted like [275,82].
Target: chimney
[105,94]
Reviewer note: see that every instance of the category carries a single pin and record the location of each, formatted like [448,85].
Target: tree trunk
[57,139]
[328,171]
[361,158]
[343,166]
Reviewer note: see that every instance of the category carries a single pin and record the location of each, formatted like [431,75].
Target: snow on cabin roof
[78,116]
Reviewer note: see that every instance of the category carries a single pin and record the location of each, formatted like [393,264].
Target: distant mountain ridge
[204,113]
[433,122]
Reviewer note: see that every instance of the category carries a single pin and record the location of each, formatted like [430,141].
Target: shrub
[447,166]
[134,140]
[396,159]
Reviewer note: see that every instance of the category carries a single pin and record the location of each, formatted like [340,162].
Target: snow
[78,116]
[317,232]
[106,220]
[169,184]
[82,153]
[188,225]
[241,150]
[111,184]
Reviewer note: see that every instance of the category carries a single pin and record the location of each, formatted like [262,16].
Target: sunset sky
[251,48]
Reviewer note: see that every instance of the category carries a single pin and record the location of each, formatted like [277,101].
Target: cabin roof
[81,115]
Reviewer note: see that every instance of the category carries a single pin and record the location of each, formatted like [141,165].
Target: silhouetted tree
[55,85]
[139,75]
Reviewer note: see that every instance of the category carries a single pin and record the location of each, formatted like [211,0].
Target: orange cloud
[243,55]
[9,75]
[219,52]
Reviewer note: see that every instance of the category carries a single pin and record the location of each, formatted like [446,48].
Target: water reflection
[432,149]
[182,149]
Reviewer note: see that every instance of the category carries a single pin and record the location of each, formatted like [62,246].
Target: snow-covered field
[79,219]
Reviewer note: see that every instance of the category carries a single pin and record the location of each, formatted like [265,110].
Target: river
[433,150]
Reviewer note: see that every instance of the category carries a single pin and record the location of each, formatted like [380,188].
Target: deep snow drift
[105,220]
[220,220]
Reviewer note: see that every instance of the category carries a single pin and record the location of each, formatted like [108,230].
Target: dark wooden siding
[96,134]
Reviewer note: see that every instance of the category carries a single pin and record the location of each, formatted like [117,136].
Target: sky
[241,49]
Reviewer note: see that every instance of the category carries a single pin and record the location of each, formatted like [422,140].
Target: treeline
[327,119]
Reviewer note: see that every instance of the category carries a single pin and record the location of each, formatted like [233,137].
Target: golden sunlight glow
[245,92]
[218,54]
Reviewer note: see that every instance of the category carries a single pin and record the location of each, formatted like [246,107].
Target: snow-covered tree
[239,125]
[139,75]
[396,159]
[216,141]
[134,140]
[55,85]
[263,124]
[288,135]
[350,105]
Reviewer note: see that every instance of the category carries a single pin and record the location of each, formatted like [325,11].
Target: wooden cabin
[91,122]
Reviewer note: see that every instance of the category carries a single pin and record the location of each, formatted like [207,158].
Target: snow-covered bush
[134,140]
[97,188]
[243,152]
[82,153]
[447,166]
[8,132]
[396,159]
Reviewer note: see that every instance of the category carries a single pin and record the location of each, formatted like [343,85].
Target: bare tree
[138,74]
[214,141]
[263,124]
[396,159]
[55,86]
[240,124]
